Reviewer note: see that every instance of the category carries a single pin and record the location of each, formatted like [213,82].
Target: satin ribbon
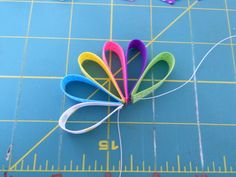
[88,56]
[81,79]
[117,49]
[66,115]
[140,47]
[166,57]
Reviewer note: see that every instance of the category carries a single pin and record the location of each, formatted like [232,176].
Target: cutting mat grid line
[60,31]
[146,5]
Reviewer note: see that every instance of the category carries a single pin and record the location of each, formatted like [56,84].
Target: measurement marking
[77,167]
[225,163]
[137,168]
[64,167]
[89,167]
[173,168]
[213,166]
[161,168]
[190,166]
[178,163]
[35,159]
[116,171]
[46,165]
[196,169]
[101,167]
[231,169]
[27,168]
[131,162]
[167,166]
[219,168]
[52,167]
[22,165]
[125,168]
[149,168]
[83,163]
[184,168]
[95,165]
[208,169]
[40,167]
[113,167]
[71,165]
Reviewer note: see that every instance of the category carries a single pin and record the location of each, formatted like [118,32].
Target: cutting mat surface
[188,133]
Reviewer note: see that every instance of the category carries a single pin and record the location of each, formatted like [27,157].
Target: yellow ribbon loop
[88,56]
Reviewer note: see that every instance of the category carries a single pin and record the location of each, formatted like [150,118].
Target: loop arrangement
[120,96]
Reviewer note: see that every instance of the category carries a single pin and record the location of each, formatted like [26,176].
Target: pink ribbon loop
[117,49]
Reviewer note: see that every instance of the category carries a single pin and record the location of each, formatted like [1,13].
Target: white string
[194,72]
[166,93]
[120,142]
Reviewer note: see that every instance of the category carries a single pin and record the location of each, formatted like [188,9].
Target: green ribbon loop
[164,56]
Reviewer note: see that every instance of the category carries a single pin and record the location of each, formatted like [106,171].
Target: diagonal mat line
[35,146]
[149,43]
[172,23]
[154,39]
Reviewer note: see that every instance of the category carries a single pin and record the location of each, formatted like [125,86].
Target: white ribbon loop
[66,115]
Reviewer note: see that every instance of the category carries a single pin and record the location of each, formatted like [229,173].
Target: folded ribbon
[81,79]
[166,57]
[65,116]
[88,56]
[140,47]
[117,49]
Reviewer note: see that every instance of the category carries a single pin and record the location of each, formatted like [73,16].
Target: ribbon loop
[117,49]
[80,79]
[140,47]
[166,57]
[88,56]
[66,115]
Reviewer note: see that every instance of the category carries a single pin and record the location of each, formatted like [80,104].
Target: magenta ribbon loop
[117,49]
